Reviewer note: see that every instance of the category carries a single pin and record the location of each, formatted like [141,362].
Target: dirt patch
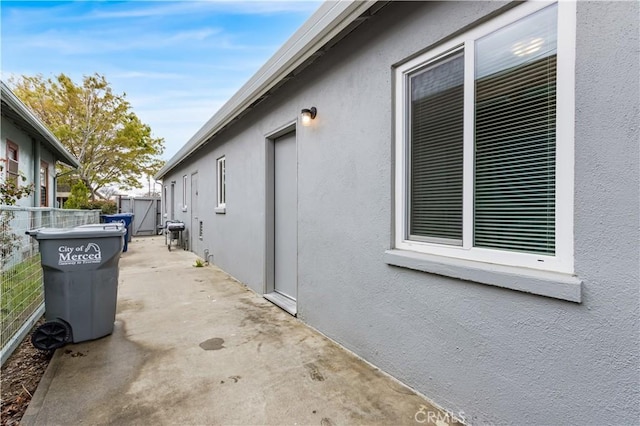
[20,377]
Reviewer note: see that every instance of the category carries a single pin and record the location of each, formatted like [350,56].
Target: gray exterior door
[194,232]
[172,205]
[286,217]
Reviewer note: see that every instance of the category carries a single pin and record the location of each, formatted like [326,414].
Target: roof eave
[25,114]
[326,23]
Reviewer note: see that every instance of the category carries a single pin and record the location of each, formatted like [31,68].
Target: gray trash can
[80,273]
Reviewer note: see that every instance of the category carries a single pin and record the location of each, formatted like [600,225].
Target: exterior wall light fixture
[307,115]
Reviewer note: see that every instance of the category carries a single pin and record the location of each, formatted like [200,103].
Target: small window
[184,193]
[483,124]
[165,200]
[12,162]
[44,184]
[221,183]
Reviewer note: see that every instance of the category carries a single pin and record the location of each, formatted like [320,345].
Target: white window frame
[44,183]
[221,182]
[562,261]
[184,192]
[165,201]
[13,172]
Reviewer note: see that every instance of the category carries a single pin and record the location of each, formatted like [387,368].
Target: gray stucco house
[458,204]
[28,148]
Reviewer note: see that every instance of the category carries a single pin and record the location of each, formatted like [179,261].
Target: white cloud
[177,61]
[177,129]
[114,40]
[254,7]
[200,34]
[101,43]
[85,11]
[146,75]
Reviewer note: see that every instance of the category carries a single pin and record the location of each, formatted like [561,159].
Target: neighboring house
[462,211]
[28,148]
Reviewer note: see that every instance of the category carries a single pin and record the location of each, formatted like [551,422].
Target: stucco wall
[236,238]
[26,162]
[25,154]
[496,355]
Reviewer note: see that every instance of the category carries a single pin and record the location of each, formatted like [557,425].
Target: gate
[146,211]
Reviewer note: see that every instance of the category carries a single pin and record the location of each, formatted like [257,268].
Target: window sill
[220,210]
[549,284]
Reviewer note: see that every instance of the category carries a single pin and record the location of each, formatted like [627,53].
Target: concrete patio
[194,346]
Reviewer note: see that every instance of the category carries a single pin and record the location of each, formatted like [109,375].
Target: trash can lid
[99,230]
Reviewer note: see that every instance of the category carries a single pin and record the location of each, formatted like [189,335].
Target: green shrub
[79,197]
[107,206]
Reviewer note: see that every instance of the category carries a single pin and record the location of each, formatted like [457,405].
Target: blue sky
[177,61]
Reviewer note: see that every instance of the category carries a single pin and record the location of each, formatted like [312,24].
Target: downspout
[162,214]
[55,186]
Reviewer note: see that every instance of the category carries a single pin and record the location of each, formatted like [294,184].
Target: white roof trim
[326,23]
[25,113]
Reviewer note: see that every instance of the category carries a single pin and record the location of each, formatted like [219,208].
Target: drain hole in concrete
[212,344]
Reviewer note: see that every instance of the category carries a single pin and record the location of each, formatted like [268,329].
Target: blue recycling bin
[127,219]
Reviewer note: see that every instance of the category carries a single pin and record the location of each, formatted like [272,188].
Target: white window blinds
[436,151]
[515,136]
[513,146]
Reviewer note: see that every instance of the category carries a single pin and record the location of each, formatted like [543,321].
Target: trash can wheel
[51,335]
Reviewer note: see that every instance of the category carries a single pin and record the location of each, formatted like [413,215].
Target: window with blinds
[436,151]
[501,117]
[515,136]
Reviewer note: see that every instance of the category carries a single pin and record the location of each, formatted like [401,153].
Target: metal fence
[21,293]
